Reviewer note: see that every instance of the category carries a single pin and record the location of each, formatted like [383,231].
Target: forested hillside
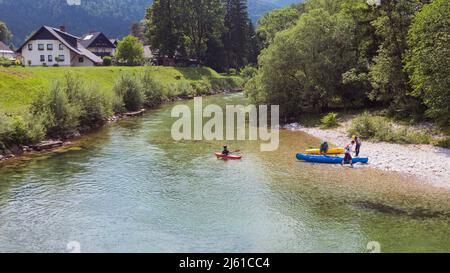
[114,17]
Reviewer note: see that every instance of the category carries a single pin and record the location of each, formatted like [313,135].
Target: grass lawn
[20,85]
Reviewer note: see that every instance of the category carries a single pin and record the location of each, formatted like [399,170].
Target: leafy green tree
[5,33]
[201,20]
[162,26]
[428,59]
[302,69]
[236,35]
[276,21]
[130,51]
[389,79]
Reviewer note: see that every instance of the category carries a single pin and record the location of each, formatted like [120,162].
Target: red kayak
[234,157]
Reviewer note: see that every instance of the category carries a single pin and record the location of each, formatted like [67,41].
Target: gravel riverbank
[428,163]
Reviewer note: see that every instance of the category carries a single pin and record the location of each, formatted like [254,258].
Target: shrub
[330,121]
[96,107]
[248,72]
[371,127]
[381,129]
[5,62]
[107,61]
[201,88]
[62,116]
[153,90]
[129,89]
[184,89]
[21,130]
[444,142]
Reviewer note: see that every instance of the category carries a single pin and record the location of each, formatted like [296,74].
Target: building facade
[51,46]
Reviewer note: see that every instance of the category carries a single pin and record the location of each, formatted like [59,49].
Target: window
[61,58]
[50,58]
[49,46]
[81,60]
[41,47]
[42,58]
[30,46]
[61,47]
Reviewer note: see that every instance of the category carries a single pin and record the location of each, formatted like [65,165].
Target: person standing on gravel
[358,144]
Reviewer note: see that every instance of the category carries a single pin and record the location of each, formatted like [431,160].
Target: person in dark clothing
[225,150]
[324,148]
[358,144]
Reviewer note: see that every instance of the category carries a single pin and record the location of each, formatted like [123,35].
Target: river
[130,188]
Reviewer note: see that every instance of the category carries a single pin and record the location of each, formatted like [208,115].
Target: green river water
[130,188]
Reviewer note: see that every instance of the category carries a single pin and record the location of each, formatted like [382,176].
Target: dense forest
[113,17]
[325,54]
[218,33]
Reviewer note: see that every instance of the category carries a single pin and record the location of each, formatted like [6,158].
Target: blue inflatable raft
[329,159]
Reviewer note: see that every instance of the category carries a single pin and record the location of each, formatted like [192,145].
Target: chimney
[62,28]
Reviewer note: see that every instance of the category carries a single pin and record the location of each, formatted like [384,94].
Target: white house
[6,52]
[50,46]
[99,44]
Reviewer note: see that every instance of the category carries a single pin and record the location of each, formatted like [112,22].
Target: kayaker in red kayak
[225,150]
[348,159]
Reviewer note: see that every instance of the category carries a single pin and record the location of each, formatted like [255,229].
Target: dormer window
[49,46]
[61,47]
[41,47]
[30,47]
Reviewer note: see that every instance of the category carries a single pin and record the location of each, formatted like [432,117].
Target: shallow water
[130,188]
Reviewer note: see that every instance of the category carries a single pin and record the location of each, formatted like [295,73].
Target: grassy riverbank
[59,103]
[19,86]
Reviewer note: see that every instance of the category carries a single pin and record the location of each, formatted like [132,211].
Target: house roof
[69,40]
[88,39]
[4,48]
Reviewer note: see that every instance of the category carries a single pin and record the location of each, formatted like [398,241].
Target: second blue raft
[329,159]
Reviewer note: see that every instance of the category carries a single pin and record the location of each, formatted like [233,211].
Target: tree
[202,20]
[302,69]
[276,21]
[137,30]
[236,35]
[428,59]
[389,79]
[130,51]
[162,26]
[5,33]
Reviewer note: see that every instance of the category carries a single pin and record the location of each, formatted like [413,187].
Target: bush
[370,127]
[330,121]
[201,88]
[5,62]
[62,117]
[107,61]
[248,72]
[381,129]
[21,130]
[95,106]
[129,89]
[153,90]
[444,142]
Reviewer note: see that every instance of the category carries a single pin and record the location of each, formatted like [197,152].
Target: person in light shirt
[348,159]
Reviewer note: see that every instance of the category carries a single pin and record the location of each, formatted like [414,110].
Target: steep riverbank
[428,163]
